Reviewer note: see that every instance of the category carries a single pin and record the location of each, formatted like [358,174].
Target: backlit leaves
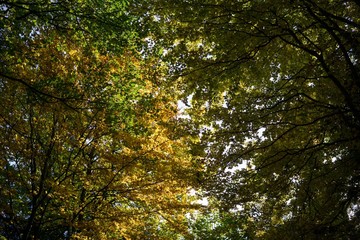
[274,94]
[87,149]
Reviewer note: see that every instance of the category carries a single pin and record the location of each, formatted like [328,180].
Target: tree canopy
[87,146]
[273,89]
[94,145]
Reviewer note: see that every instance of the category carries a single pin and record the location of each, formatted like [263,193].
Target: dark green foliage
[216,226]
[275,93]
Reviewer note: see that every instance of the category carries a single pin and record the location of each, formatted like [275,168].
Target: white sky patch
[224,104]
[238,167]
[156,18]
[182,106]
[237,208]
[311,84]
[260,133]
[204,201]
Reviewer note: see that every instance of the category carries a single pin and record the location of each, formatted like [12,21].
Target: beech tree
[92,146]
[88,149]
[273,89]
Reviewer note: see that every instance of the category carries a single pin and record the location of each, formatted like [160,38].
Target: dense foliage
[274,92]
[87,147]
[93,145]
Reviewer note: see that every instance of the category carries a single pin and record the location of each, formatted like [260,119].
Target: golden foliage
[90,150]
